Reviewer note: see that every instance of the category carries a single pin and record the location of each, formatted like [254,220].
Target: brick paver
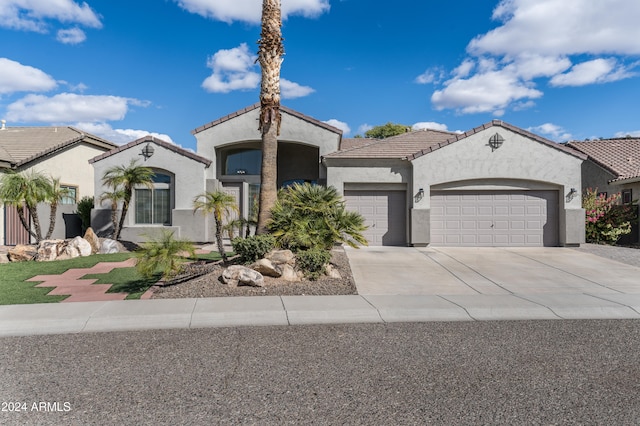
[83,290]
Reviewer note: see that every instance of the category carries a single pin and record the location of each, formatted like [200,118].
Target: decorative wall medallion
[495,141]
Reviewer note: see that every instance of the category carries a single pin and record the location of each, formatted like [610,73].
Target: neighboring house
[496,185]
[613,167]
[59,152]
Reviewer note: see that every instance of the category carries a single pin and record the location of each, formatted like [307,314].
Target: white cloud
[33,15]
[552,131]
[539,39]
[71,36]
[590,72]
[340,125]
[236,69]
[68,107]
[633,134]
[429,125]
[119,136]
[291,90]
[364,128]
[432,75]
[15,77]
[251,10]
[232,70]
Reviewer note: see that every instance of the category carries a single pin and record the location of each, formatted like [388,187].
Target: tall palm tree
[25,189]
[55,194]
[126,178]
[219,203]
[270,54]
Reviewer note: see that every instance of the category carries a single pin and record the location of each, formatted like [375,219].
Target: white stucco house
[60,152]
[495,185]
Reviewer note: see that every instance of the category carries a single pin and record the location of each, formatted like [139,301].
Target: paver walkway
[84,290]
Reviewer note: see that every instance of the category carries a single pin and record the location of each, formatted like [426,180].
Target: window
[71,196]
[243,161]
[153,206]
[626,196]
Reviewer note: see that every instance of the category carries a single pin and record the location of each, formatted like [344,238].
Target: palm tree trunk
[270,54]
[33,210]
[223,254]
[52,219]
[123,214]
[23,221]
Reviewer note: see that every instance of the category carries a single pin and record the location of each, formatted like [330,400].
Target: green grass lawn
[14,289]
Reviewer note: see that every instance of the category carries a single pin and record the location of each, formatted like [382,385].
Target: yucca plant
[164,254]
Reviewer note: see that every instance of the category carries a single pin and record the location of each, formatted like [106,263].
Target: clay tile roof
[619,156]
[21,145]
[160,142]
[401,146]
[256,106]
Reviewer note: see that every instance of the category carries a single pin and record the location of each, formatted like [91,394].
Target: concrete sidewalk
[19,320]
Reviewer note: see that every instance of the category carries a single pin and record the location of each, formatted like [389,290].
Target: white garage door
[494,218]
[384,213]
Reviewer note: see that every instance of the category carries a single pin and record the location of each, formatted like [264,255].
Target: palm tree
[126,178]
[270,54]
[25,189]
[219,203]
[55,194]
[163,253]
[115,197]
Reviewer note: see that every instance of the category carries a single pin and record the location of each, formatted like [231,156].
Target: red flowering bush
[606,220]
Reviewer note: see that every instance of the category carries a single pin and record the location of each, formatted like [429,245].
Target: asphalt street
[449,373]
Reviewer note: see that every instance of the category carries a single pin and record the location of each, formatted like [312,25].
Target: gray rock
[290,274]
[78,247]
[267,268]
[281,257]
[236,275]
[109,246]
[4,258]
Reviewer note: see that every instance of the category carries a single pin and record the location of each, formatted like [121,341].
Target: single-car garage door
[494,218]
[384,213]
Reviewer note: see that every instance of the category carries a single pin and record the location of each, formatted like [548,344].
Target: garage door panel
[384,213]
[494,218]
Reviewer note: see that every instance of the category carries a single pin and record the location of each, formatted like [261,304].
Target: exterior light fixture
[147,151]
[571,195]
[495,141]
[419,195]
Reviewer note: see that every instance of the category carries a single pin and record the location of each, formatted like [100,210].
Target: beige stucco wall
[375,173]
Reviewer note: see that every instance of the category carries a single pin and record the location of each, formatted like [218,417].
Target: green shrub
[308,216]
[162,253]
[254,247]
[313,262]
[606,221]
[84,212]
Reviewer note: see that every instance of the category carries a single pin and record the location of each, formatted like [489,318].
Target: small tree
[606,220]
[115,197]
[54,195]
[387,130]
[26,189]
[122,180]
[84,212]
[163,253]
[219,204]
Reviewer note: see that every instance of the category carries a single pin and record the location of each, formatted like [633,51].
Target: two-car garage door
[494,218]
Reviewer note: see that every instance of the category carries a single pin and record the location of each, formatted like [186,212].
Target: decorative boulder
[235,275]
[93,240]
[22,252]
[49,250]
[4,258]
[78,247]
[268,268]
[109,246]
[281,257]
[333,272]
[290,274]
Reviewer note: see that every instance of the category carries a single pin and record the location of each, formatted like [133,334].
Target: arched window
[153,206]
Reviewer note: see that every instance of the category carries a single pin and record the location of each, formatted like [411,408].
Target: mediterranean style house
[495,185]
[60,152]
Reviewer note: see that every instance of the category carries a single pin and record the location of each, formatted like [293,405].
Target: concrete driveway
[490,271]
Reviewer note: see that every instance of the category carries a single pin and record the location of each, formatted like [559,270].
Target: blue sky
[564,69]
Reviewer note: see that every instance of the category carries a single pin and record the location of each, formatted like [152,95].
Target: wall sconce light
[419,195]
[147,151]
[571,195]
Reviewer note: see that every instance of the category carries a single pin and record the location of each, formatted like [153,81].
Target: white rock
[238,274]
[79,245]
